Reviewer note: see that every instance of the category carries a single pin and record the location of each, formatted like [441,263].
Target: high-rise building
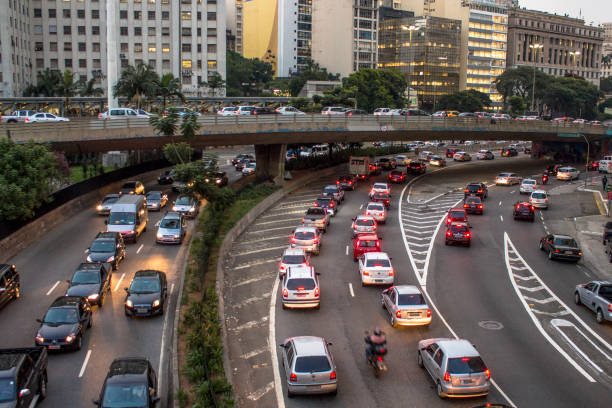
[556,45]
[96,39]
[344,34]
[606,66]
[15,47]
[304,33]
[427,50]
[233,10]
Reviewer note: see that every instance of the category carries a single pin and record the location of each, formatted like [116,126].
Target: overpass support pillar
[270,162]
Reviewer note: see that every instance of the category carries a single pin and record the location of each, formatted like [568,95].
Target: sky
[596,11]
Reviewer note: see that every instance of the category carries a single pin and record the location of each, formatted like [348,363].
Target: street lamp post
[586,167]
[534,48]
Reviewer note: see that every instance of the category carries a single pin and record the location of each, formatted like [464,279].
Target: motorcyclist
[376,343]
[544,177]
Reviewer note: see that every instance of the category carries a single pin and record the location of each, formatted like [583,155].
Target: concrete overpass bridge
[271,133]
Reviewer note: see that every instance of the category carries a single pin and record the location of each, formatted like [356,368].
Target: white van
[129,216]
[605,165]
[320,150]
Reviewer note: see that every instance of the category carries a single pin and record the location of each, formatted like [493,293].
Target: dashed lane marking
[53,288]
[84,366]
[284,213]
[501,217]
[249,242]
[500,203]
[276,221]
[255,352]
[157,223]
[86,250]
[251,324]
[119,282]
[270,229]
[351,291]
[361,207]
[249,281]
[255,251]
[250,300]
[255,263]
[256,395]
[140,248]
[346,251]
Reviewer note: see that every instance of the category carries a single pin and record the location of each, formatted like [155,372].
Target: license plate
[414,314]
[314,387]
[300,294]
[468,381]
[378,280]
[141,310]
[327,386]
[457,235]
[54,347]
[568,252]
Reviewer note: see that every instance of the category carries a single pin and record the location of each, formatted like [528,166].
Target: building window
[186,48]
[153,63]
[211,32]
[186,31]
[123,30]
[199,47]
[96,63]
[53,46]
[82,47]
[67,30]
[81,30]
[52,13]
[165,31]
[211,48]
[199,16]
[52,29]
[137,47]
[165,47]
[211,16]
[95,14]
[138,31]
[165,15]
[124,47]
[40,63]
[95,30]
[53,63]
[95,47]
[151,31]
[38,29]
[137,15]
[38,46]
[212,65]
[66,13]
[185,15]
[82,63]
[124,63]
[152,48]
[67,46]
[186,64]
[80,13]
[68,63]
[199,31]
[123,14]
[37,12]
[165,64]
[151,15]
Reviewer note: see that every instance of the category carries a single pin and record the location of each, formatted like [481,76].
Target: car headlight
[129,303]
[93,296]
[159,235]
[192,209]
[39,338]
[176,236]
[99,207]
[70,338]
[110,259]
[218,181]
[206,180]
[89,258]
[174,208]
[156,303]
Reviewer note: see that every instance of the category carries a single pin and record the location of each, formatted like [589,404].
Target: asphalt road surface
[76,378]
[471,289]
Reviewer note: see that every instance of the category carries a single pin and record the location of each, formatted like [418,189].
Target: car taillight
[99,115]
[391,272]
[293,377]
[448,233]
[331,204]
[448,220]
[337,182]
[488,373]
[366,273]
[380,358]
[466,206]
[398,314]
[579,253]
[358,243]
[281,267]
[300,288]
[532,208]
[610,308]
[467,234]
[556,250]
[467,191]
[285,293]
[428,313]
[350,183]
[367,213]
[293,240]
[480,191]
[374,227]
[303,219]
[315,205]
[316,240]
[332,375]
[480,206]
[378,243]
[447,377]
[518,206]
[316,292]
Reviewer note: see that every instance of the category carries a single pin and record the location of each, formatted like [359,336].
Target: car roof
[172,215]
[112,196]
[406,289]
[309,346]
[528,179]
[562,236]
[107,235]
[300,272]
[89,266]
[458,224]
[330,186]
[147,273]
[540,191]
[129,369]
[457,348]
[367,236]
[10,362]
[375,203]
[325,198]
[305,229]
[456,209]
[364,217]
[67,301]
[377,255]
[380,184]
[294,251]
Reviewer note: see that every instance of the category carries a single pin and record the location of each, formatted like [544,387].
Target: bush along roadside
[339,157]
[203,382]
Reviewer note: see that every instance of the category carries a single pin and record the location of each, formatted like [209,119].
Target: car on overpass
[227,111]
[462,156]
[46,117]
[121,113]
[333,110]
[289,110]
[485,155]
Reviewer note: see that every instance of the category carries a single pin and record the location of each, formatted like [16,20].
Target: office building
[233,21]
[606,67]
[427,50]
[15,47]
[304,34]
[559,45]
[344,34]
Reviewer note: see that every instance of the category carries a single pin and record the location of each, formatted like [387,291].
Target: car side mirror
[281,346]
[155,400]
[67,280]
[24,393]
[329,343]
[127,290]
[105,222]
[96,402]
[39,320]
[318,273]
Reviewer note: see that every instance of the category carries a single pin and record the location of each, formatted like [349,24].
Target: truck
[23,376]
[316,217]
[360,166]
[21,116]
[605,165]
[597,296]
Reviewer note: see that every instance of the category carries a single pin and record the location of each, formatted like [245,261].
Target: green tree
[465,101]
[338,96]
[26,174]
[137,83]
[177,153]
[166,124]
[190,125]
[519,81]
[47,84]
[605,84]
[516,105]
[169,87]
[246,76]
[313,72]
[215,81]
[377,88]
[89,88]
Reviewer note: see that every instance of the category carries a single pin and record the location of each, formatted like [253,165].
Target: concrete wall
[332,35]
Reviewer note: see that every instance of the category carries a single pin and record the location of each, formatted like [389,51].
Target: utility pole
[534,51]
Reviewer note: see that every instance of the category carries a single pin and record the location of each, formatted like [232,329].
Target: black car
[509,152]
[346,182]
[416,167]
[132,187]
[241,157]
[381,197]
[413,112]
[219,178]
[523,211]
[476,189]
[107,247]
[9,284]
[607,232]
[561,247]
[147,294]
[64,324]
[458,233]
[355,112]
[242,163]
[473,205]
[328,203]
[130,382]
[167,177]
[264,111]
[92,281]
[387,164]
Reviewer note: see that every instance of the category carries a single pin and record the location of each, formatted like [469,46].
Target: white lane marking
[87,250]
[280,401]
[553,314]
[351,289]
[564,323]
[501,217]
[250,324]
[534,319]
[513,191]
[172,288]
[361,207]
[250,300]
[431,222]
[250,242]
[425,227]
[283,213]
[500,203]
[419,252]
[53,288]
[595,234]
[534,289]
[84,366]
[276,221]
[519,268]
[249,281]
[255,263]
[255,352]
[140,248]
[259,250]
[119,282]
[540,301]
[346,251]
[254,396]
[259,231]
[523,277]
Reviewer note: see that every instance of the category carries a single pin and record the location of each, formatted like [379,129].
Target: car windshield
[380,263]
[367,243]
[435,158]
[125,396]
[129,185]
[312,364]
[301,284]
[183,200]
[121,218]
[154,195]
[141,285]
[568,242]
[379,186]
[381,195]
[85,278]
[504,175]
[457,214]
[102,245]
[377,207]
[466,365]
[364,223]
[7,390]
[293,259]
[472,200]
[529,182]
[304,235]
[110,200]
[410,299]
[323,202]
[605,290]
[458,228]
[61,315]
[330,190]
[538,195]
[170,223]
[315,211]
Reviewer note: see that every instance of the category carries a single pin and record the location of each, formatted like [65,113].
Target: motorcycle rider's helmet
[377,331]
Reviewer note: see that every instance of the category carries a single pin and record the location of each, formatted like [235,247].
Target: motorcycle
[544,178]
[376,357]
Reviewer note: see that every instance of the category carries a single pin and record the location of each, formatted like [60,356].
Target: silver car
[527,186]
[172,229]
[104,207]
[306,238]
[567,173]
[539,199]
[455,366]
[301,288]
[376,211]
[292,257]
[507,179]
[309,366]
[375,269]
[363,223]
[186,205]
[335,192]
[406,306]
[156,200]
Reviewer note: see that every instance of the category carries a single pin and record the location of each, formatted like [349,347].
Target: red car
[592,166]
[381,197]
[456,215]
[366,242]
[458,232]
[450,153]
[397,176]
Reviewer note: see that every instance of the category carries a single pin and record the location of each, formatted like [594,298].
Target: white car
[507,179]
[227,111]
[539,199]
[375,269]
[46,117]
[527,186]
[438,161]
[249,169]
[605,165]
[245,110]
[301,288]
[567,173]
[484,155]
[402,160]
[462,156]
[363,223]
[380,188]
[121,113]
[292,257]
[376,210]
[289,110]
[382,112]
[333,110]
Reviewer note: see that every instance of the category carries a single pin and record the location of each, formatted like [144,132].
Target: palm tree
[169,87]
[215,81]
[47,82]
[89,88]
[137,84]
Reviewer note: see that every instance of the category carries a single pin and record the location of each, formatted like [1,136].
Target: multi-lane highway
[75,378]
[502,294]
